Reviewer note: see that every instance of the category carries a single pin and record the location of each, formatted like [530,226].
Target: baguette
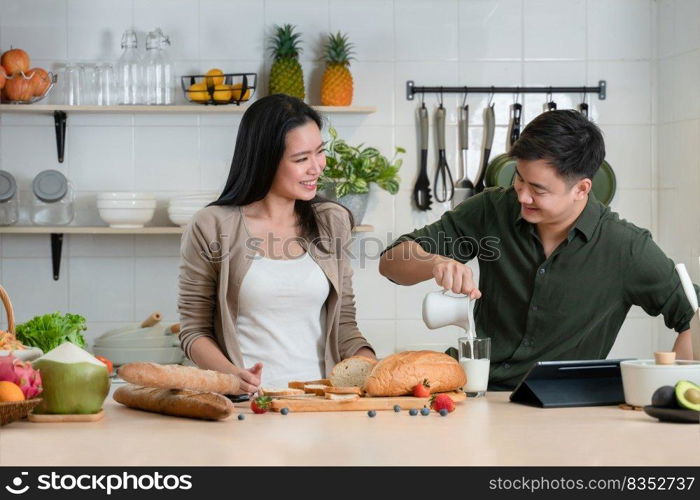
[179,377]
[397,374]
[298,384]
[175,402]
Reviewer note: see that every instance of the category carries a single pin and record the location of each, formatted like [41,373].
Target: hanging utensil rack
[412,90]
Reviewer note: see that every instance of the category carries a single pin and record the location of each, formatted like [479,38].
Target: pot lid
[8,186]
[50,186]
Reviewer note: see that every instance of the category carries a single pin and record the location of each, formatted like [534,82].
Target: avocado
[664,397]
[688,395]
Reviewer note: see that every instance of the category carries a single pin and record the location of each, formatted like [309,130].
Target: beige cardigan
[216,253]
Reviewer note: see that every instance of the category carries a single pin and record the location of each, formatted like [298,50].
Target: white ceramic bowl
[188,204]
[126,217]
[122,355]
[180,219]
[204,195]
[641,377]
[126,203]
[125,195]
[28,354]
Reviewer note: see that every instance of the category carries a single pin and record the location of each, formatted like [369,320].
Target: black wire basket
[228,88]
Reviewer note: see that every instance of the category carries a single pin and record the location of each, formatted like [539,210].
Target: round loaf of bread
[398,374]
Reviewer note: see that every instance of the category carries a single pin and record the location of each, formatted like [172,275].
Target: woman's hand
[250,378]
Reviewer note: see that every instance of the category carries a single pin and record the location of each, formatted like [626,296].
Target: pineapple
[336,86]
[286,76]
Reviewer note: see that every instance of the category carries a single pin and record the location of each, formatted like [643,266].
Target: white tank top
[282,319]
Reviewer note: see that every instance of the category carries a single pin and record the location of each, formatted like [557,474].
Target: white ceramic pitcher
[442,308]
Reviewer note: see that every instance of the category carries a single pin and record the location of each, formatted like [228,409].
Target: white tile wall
[678,167]
[120,279]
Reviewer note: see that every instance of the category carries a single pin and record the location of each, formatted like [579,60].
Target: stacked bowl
[181,208]
[126,209]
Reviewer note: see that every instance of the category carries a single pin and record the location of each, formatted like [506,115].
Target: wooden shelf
[364,228]
[180,108]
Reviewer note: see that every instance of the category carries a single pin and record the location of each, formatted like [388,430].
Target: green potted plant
[351,169]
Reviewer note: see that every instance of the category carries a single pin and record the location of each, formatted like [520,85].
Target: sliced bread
[344,390]
[352,372]
[277,392]
[342,397]
[318,389]
[298,384]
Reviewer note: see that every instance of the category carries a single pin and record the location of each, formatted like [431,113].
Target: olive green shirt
[569,306]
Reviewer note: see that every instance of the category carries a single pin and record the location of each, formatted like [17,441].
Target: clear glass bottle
[130,71]
[9,199]
[159,81]
[52,203]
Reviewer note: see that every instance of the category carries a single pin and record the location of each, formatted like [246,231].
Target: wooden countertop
[488,431]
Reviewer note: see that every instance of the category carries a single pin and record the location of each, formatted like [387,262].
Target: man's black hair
[566,139]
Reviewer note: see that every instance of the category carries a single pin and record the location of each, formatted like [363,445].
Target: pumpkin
[3,77]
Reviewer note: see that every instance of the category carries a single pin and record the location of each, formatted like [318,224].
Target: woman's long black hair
[259,149]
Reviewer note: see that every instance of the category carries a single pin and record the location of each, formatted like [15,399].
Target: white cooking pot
[641,377]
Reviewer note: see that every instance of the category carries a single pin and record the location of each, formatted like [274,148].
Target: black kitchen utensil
[421,190]
[444,185]
[464,188]
[489,130]
[583,108]
[516,111]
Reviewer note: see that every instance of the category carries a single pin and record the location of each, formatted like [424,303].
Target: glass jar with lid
[52,203]
[9,199]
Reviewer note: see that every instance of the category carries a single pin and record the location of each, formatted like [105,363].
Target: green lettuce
[51,330]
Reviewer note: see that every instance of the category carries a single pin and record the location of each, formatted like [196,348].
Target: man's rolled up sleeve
[651,282]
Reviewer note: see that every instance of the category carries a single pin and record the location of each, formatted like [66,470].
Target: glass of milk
[475,358]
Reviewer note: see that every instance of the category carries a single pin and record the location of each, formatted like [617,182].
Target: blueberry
[284,411]
[425,412]
[413,412]
[241,417]
[397,408]
[372,413]
[444,412]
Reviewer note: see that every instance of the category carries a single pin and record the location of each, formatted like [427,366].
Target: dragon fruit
[21,373]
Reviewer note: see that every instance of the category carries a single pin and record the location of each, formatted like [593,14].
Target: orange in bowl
[10,392]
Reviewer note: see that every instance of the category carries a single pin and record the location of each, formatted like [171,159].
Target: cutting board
[363,404]
[52,418]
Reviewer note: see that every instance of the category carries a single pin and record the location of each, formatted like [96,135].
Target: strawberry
[422,390]
[442,402]
[261,404]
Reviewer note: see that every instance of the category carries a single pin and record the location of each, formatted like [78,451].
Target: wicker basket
[14,410]
[9,412]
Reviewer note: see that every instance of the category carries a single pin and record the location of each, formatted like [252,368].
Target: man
[558,270]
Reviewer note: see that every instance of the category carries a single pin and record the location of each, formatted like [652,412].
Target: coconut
[74,381]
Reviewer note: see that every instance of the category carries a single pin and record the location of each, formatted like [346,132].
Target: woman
[264,281]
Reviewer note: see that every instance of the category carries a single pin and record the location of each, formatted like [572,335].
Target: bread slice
[342,397]
[344,390]
[298,384]
[352,371]
[277,392]
[318,389]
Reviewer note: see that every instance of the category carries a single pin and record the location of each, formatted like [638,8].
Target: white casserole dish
[641,377]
